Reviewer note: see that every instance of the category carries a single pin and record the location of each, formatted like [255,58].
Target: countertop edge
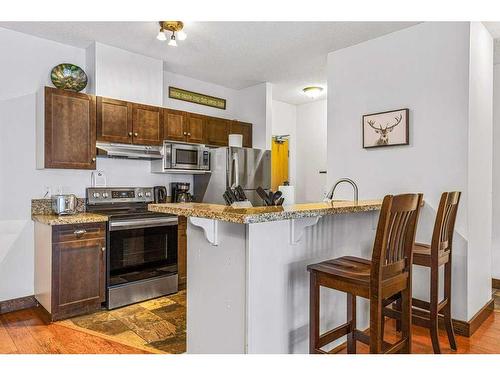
[256,218]
[81,218]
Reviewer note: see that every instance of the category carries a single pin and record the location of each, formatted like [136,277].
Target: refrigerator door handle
[235,171]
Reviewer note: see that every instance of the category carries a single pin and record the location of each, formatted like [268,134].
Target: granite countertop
[264,214]
[80,218]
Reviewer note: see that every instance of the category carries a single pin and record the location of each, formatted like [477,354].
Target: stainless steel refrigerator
[233,166]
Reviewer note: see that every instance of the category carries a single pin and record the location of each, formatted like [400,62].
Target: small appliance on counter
[180,192]
[64,204]
[160,194]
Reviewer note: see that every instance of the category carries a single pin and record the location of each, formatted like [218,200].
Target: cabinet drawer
[77,232]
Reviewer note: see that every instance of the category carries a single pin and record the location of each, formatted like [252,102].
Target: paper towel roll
[288,193]
[235,140]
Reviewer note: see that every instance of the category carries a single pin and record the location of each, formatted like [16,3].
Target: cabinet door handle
[103,249]
[93,160]
[79,232]
[135,134]
[189,134]
[185,133]
[130,134]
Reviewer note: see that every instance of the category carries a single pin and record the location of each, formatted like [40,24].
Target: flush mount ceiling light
[312,91]
[175,27]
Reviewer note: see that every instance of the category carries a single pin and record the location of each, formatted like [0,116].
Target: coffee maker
[180,192]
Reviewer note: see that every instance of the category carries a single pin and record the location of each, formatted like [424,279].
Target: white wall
[480,167]
[311,151]
[284,123]
[426,69]
[191,84]
[125,75]
[495,249]
[254,105]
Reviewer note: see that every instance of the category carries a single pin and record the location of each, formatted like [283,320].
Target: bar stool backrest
[442,236]
[393,247]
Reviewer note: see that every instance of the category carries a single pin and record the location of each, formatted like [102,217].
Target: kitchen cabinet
[70,269]
[245,129]
[217,131]
[182,252]
[147,125]
[174,125]
[69,127]
[114,120]
[195,131]
[125,122]
[184,126]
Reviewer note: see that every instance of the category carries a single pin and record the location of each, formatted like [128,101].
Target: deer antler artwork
[383,132]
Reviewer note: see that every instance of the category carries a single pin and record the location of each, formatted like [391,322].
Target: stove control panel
[97,196]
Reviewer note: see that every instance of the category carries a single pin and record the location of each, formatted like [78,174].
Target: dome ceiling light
[312,91]
[175,27]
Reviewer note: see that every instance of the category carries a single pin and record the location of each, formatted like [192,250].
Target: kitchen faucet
[329,195]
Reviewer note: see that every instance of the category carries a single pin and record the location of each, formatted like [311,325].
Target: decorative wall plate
[68,77]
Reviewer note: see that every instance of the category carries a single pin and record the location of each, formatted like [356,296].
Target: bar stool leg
[433,313]
[397,307]
[406,320]
[447,309]
[313,314]
[351,318]
[376,317]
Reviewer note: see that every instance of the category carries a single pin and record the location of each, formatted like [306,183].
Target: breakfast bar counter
[247,282]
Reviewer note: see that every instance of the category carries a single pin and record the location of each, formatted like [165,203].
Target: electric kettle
[64,204]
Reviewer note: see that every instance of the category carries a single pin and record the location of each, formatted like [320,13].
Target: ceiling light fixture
[312,91]
[175,27]
[161,35]
[172,41]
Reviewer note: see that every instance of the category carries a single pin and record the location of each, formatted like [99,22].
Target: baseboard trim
[495,283]
[467,329]
[17,304]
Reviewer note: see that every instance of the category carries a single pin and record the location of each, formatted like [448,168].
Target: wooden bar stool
[435,255]
[387,274]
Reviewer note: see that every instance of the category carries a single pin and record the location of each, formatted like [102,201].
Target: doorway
[279,161]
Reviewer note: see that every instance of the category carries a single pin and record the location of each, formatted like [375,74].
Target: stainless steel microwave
[182,158]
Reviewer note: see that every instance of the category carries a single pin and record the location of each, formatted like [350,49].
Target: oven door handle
[142,223]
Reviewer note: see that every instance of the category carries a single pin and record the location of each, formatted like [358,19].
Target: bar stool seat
[422,255]
[350,272]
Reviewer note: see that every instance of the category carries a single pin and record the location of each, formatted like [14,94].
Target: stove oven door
[142,259]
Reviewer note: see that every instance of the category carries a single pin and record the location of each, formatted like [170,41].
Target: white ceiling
[290,55]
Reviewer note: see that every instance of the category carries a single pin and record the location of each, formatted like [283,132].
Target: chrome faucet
[329,195]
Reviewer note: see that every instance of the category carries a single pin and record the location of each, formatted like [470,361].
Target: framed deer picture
[390,128]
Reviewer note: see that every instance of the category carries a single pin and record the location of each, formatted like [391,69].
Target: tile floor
[158,325]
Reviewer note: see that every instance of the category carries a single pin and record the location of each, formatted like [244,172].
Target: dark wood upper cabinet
[217,131]
[195,128]
[147,124]
[244,128]
[70,130]
[174,125]
[114,120]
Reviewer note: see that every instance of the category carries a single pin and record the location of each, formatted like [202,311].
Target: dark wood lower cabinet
[73,283]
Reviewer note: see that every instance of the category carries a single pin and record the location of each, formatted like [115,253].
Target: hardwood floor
[25,332]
